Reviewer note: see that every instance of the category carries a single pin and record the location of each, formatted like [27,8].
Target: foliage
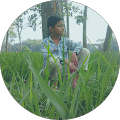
[35,16]
[18,23]
[20,71]
[79,19]
[71,8]
[14,62]
[9,38]
[28,87]
[25,48]
[107,42]
[113,45]
[33,45]
[3,47]
[11,33]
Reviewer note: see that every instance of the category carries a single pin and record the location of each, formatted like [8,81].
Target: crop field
[21,70]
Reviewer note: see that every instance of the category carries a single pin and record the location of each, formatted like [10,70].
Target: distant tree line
[27,45]
[113,45]
[64,9]
[35,46]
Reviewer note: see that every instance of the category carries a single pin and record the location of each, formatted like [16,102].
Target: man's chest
[56,42]
[54,48]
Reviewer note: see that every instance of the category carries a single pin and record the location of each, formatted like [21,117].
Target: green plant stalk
[3,68]
[99,73]
[62,109]
[63,60]
[31,87]
[102,56]
[63,75]
[35,101]
[47,105]
[67,85]
[104,84]
[21,101]
[96,94]
[52,113]
[22,96]
[56,64]
[76,103]
[72,108]
[47,67]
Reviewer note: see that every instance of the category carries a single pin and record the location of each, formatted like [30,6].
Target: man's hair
[52,21]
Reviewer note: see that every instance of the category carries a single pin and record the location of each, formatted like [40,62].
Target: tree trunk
[61,8]
[19,30]
[67,21]
[48,9]
[84,28]
[19,35]
[7,42]
[20,42]
[107,39]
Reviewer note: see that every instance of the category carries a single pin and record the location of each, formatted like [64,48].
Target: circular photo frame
[59,60]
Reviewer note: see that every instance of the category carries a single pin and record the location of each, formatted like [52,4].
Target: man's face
[59,29]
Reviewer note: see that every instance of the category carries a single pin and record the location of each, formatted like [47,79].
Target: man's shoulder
[64,38]
[45,40]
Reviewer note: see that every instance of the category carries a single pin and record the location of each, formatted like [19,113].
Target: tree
[3,47]
[26,48]
[10,34]
[107,39]
[36,16]
[6,47]
[114,44]
[84,27]
[33,45]
[19,25]
[67,12]
[48,9]
[100,44]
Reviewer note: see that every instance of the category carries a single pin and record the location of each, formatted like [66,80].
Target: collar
[49,38]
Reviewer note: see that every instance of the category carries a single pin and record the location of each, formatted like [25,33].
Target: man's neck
[55,38]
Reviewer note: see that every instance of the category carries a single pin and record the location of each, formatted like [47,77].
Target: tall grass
[21,76]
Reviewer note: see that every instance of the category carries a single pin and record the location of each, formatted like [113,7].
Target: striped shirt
[57,50]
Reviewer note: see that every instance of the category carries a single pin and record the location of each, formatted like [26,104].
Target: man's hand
[74,59]
[71,66]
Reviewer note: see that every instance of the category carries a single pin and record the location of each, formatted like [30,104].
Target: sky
[96,28]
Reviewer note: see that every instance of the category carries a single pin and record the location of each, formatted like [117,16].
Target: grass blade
[60,106]
[56,63]
[31,87]
[21,101]
[74,103]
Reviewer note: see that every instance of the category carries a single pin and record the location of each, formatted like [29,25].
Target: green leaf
[74,104]
[101,56]
[3,68]
[31,87]
[8,86]
[60,106]
[21,101]
[52,113]
[56,64]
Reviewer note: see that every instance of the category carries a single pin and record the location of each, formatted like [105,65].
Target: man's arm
[74,59]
